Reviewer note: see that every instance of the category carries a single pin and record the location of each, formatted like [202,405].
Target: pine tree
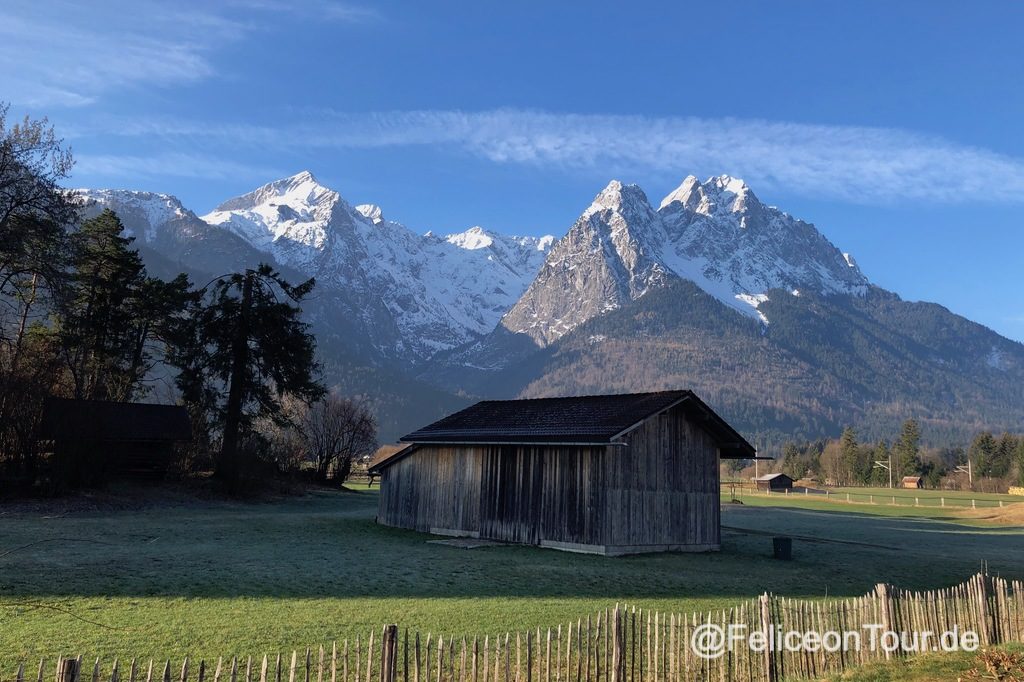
[243,349]
[983,454]
[849,451]
[1006,448]
[907,451]
[1020,461]
[112,313]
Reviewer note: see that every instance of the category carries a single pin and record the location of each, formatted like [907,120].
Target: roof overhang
[731,444]
[394,457]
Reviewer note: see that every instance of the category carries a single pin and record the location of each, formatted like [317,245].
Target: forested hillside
[821,364]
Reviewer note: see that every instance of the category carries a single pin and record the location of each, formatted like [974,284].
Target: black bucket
[782,548]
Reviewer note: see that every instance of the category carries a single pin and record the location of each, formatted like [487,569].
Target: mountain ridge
[761,299]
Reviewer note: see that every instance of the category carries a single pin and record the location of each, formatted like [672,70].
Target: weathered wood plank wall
[438,489]
[663,489]
[658,489]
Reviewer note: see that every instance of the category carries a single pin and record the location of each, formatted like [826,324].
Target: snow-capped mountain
[167,231]
[141,212]
[608,257]
[718,235]
[710,289]
[715,234]
[435,292]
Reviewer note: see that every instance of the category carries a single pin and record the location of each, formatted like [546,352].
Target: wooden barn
[611,474]
[133,439]
[912,482]
[774,482]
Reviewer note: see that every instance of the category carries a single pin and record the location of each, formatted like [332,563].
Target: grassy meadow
[931,668]
[209,577]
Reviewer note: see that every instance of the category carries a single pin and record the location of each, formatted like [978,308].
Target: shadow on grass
[328,546]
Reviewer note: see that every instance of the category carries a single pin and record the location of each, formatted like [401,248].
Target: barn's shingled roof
[591,420]
[109,421]
[771,477]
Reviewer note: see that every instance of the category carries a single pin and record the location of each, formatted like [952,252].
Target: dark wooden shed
[613,474]
[135,439]
[774,482]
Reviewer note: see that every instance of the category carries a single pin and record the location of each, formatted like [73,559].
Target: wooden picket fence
[618,645]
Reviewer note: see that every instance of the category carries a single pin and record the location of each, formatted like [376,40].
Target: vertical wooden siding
[438,488]
[663,489]
[660,489]
[571,495]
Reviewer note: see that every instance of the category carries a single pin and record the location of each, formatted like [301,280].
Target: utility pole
[887,466]
[967,470]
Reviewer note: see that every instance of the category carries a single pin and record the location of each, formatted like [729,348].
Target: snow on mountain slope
[720,236]
[142,213]
[436,292]
[417,295]
[716,234]
[606,259]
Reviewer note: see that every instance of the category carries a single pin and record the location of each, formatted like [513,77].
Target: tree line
[994,461]
[81,318]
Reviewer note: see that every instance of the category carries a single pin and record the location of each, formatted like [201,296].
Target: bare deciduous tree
[33,257]
[336,431]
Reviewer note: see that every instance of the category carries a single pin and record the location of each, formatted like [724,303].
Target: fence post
[886,611]
[388,653]
[618,647]
[981,596]
[68,671]
[769,637]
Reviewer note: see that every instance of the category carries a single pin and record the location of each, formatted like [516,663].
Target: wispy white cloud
[850,163]
[182,165]
[322,10]
[68,53]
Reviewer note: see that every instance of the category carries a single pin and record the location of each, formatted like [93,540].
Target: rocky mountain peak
[718,195]
[141,212]
[687,195]
[371,212]
[604,261]
[472,239]
[301,193]
[626,200]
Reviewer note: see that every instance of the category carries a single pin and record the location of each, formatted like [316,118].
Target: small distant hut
[774,482]
[912,482]
[128,439]
[610,474]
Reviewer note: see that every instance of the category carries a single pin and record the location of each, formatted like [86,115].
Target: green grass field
[211,578]
[959,515]
[953,499]
[927,668]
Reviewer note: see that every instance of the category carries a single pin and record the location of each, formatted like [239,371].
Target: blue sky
[894,127]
